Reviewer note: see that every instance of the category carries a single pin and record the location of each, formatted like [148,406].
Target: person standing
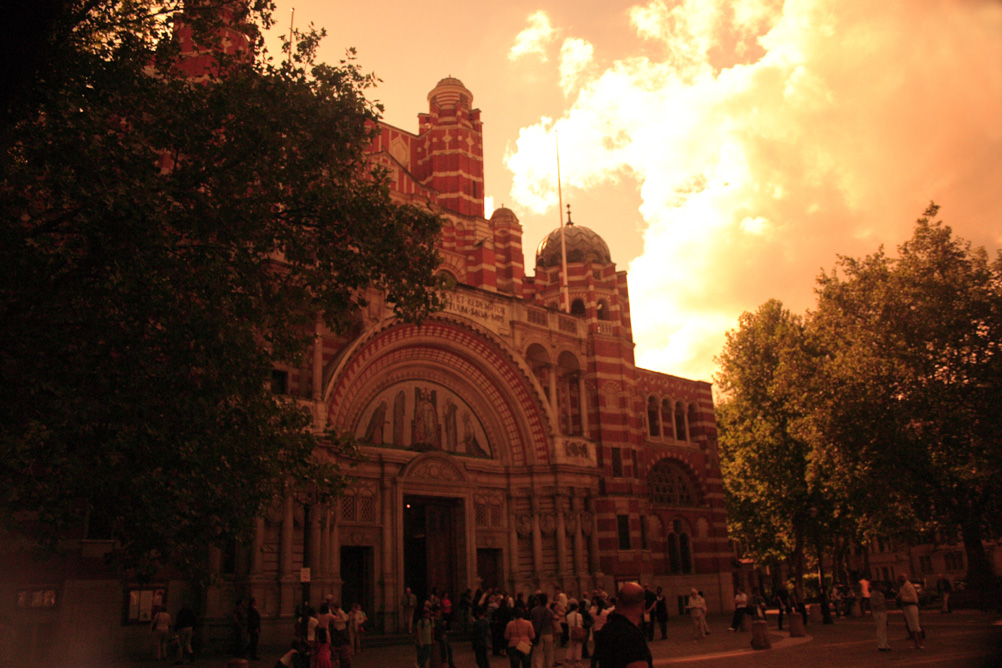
[559,608]
[424,638]
[407,605]
[576,635]
[185,627]
[520,633]
[340,642]
[446,605]
[322,628]
[481,638]
[649,601]
[878,608]
[740,604]
[864,594]
[661,613]
[622,643]
[465,603]
[908,599]
[253,629]
[944,588]
[599,614]
[697,612]
[782,602]
[543,625]
[160,625]
[356,628]
[238,626]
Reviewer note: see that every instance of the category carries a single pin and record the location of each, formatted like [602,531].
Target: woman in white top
[161,630]
[356,618]
[576,635]
[697,611]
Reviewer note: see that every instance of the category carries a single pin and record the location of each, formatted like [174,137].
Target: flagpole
[563,243]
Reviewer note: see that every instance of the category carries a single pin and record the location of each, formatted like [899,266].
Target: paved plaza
[964,639]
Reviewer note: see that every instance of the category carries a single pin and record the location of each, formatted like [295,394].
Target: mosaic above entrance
[423,416]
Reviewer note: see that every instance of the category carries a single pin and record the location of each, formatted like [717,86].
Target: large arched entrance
[442,413]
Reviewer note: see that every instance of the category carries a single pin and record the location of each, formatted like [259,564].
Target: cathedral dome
[583,245]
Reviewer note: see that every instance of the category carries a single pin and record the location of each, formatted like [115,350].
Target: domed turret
[583,245]
[450,92]
[503,214]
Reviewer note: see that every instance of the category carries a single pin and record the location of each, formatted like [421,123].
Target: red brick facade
[528,425]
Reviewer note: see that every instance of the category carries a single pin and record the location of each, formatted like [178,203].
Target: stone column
[554,403]
[257,557]
[390,599]
[537,541]
[286,569]
[321,567]
[583,399]
[512,548]
[313,558]
[567,380]
[595,563]
[579,554]
[334,571]
[558,502]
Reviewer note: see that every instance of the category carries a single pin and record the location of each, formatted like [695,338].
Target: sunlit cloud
[766,137]
[535,38]
[575,56]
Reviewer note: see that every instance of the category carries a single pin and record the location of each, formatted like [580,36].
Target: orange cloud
[535,38]
[767,137]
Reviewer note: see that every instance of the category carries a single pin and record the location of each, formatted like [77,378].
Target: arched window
[577,307]
[603,310]
[674,558]
[668,418]
[680,432]
[685,552]
[653,417]
[693,422]
[679,548]
[669,485]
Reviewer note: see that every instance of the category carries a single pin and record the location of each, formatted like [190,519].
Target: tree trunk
[979,571]
[798,555]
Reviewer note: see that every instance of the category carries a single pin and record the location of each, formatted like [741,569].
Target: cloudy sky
[726,150]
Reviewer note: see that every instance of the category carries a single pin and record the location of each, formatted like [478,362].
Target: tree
[906,406]
[165,243]
[764,462]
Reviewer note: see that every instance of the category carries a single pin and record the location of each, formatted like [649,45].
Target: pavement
[963,639]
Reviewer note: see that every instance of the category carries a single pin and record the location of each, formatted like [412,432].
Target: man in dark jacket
[621,643]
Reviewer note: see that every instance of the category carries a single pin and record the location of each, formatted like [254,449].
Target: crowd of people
[541,631]
[535,632]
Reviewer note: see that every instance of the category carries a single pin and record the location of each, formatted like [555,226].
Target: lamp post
[308,497]
[826,615]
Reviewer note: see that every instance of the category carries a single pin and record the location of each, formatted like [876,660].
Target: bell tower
[450,150]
